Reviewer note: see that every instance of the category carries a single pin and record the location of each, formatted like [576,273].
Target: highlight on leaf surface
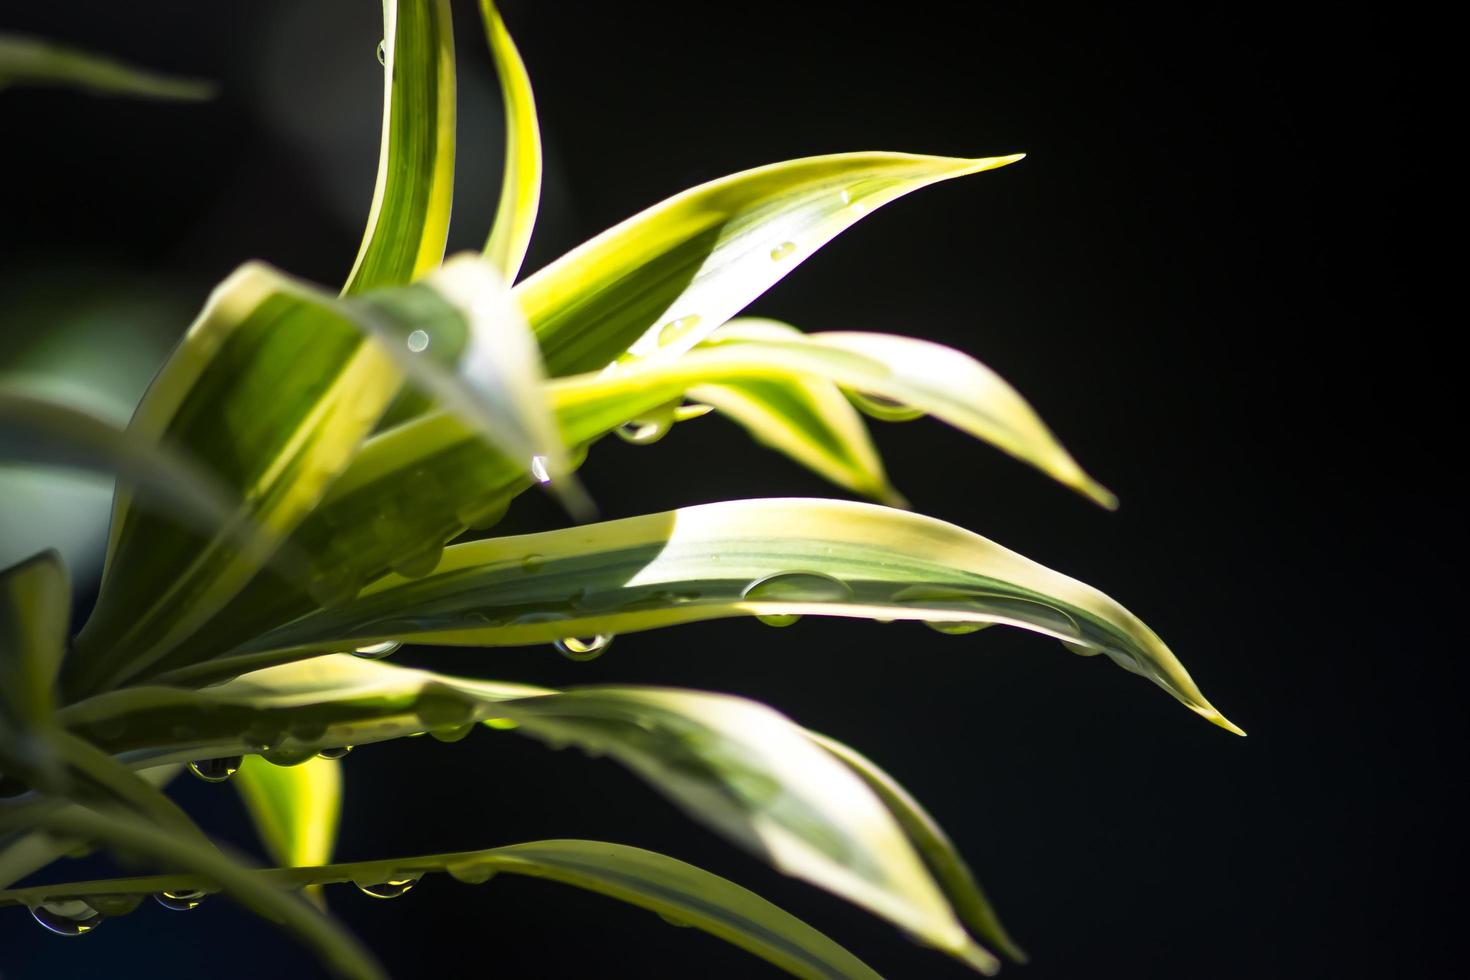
[771,557]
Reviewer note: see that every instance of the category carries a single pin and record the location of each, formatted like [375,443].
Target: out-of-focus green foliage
[292,485]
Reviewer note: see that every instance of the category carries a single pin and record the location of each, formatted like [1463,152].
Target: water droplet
[216,770]
[533,563]
[502,724]
[955,627]
[451,735]
[471,872]
[335,752]
[787,620]
[644,432]
[287,756]
[883,409]
[1080,649]
[391,888]
[441,706]
[846,197]
[383,53]
[538,469]
[377,651]
[111,906]
[418,341]
[67,916]
[797,587]
[181,901]
[583,648]
[783,250]
[676,329]
[420,564]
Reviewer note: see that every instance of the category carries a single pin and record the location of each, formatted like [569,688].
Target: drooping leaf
[190,861]
[944,862]
[520,188]
[679,892]
[659,282]
[776,557]
[461,337]
[36,61]
[409,221]
[738,766]
[809,420]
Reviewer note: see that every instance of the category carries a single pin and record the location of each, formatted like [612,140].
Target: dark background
[1208,276]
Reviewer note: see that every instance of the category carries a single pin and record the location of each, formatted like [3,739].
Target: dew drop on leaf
[383,53]
[670,332]
[418,341]
[538,469]
[335,752]
[787,620]
[532,563]
[377,651]
[952,627]
[471,872]
[583,648]
[180,901]
[644,432]
[216,770]
[391,888]
[451,735]
[67,916]
[783,250]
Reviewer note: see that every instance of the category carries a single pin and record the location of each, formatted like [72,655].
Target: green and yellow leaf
[37,61]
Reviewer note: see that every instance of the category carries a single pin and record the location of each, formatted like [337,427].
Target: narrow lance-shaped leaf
[409,220]
[36,61]
[735,765]
[663,279]
[771,558]
[270,391]
[679,892]
[520,187]
[948,868]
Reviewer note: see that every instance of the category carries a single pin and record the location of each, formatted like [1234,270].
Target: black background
[1209,278]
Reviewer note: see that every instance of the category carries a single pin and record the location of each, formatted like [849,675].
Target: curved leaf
[409,221]
[659,282]
[738,766]
[680,892]
[520,188]
[35,613]
[773,557]
[270,392]
[36,61]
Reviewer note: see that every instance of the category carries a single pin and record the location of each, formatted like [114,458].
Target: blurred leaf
[662,280]
[270,391]
[679,892]
[35,614]
[335,946]
[520,189]
[295,809]
[42,432]
[36,61]
[771,557]
[409,221]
